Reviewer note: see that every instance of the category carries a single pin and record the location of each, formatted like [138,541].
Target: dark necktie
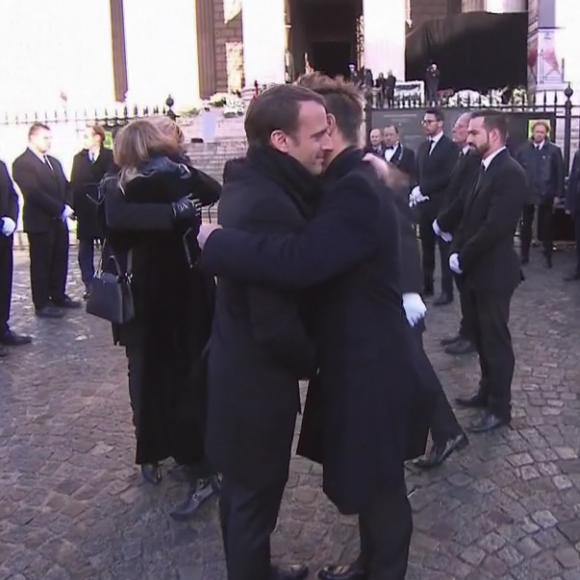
[47,162]
[390,147]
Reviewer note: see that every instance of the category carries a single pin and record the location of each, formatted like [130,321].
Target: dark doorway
[331,57]
[323,35]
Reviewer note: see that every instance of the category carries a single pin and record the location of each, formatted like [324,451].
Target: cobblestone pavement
[73,507]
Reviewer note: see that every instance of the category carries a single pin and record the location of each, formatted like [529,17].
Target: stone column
[567,42]
[161,52]
[505,6]
[264,38]
[472,5]
[384,36]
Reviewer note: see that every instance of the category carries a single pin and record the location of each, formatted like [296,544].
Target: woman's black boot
[151,473]
[199,492]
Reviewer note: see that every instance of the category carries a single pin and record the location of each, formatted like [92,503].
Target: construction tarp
[475,50]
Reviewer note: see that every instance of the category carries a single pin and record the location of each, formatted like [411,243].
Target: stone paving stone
[72,506]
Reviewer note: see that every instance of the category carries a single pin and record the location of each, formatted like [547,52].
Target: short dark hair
[493,119]
[343,101]
[388,125]
[276,109]
[437,113]
[36,127]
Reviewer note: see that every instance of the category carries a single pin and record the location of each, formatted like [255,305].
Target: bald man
[375,145]
[448,221]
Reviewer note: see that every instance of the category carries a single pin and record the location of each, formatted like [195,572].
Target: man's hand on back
[205,231]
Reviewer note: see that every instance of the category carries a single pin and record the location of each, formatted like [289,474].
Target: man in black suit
[90,165]
[47,206]
[259,348]
[401,157]
[362,337]
[436,160]
[483,252]
[447,223]
[8,221]
[573,210]
[375,144]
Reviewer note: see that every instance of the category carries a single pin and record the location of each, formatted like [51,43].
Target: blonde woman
[151,215]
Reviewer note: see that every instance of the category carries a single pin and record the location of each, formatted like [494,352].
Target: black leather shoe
[67,302]
[524,260]
[354,571]
[295,572]
[198,494]
[151,473]
[461,346]
[488,422]
[10,338]
[573,277]
[182,474]
[450,340]
[474,402]
[439,453]
[443,299]
[49,312]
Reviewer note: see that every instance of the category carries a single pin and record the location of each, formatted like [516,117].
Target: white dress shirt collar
[487,161]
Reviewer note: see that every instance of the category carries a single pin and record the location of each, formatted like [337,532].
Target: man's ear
[279,140]
[331,120]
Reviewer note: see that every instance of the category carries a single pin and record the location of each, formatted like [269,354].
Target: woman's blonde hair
[169,127]
[141,140]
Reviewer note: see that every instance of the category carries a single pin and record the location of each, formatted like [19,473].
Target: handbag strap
[128,271]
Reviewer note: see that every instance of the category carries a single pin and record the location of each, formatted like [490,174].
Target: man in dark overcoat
[259,347]
[90,165]
[8,220]
[367,360]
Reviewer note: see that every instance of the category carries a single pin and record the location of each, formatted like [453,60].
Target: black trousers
[444,424]
[49,264]
[545,228]
[577,236]
[466,323]
[429,241]
[494,346]
[248,518]
[6,274]
[386,527]
[86,258]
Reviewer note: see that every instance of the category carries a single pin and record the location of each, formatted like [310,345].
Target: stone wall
[228,38]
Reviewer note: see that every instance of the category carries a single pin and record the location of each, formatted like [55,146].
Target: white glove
[414,307]
[8,226]
[447,237]
[66,212]
[205,231]
[416,197]
[454,263]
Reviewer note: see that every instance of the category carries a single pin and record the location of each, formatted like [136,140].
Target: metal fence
[558,110]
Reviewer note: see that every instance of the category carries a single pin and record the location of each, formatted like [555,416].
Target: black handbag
[111,297]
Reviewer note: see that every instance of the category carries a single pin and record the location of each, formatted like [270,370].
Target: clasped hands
[67,212]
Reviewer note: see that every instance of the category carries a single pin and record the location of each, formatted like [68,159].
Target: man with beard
[447,223]
[482,251]
[367,361]
[259,349]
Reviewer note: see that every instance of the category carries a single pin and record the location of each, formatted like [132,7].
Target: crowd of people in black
[320,277]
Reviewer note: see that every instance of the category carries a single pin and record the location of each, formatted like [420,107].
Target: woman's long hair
[141,140]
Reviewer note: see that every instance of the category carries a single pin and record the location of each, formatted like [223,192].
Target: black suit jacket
[45,191]
[485,238]
[434,171]
[259,348]
[85,179]
[573,190]
[368,377]
[9,205]
[462,182]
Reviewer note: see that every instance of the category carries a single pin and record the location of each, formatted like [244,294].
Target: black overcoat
[173,308]
[259,348]
[367,361]
[84,181]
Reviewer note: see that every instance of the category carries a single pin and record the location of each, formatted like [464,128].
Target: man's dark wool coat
[367,361]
